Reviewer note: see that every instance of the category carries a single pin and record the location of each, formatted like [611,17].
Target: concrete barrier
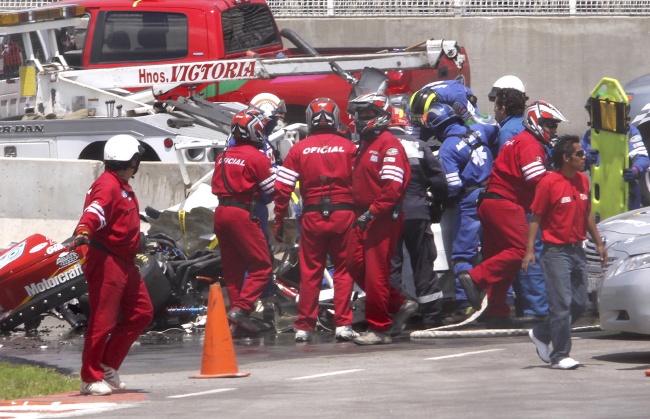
[46,196]
[560,59]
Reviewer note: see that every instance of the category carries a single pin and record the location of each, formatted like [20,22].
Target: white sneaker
[96,388]
[566,364]
[303,335]
[373,338]
[112,378]
[346,333]
[543,350]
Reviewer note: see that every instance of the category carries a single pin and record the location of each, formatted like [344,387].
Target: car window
[248,27]
[141,37]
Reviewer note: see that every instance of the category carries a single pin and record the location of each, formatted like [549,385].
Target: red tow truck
[78,55]
[120,33]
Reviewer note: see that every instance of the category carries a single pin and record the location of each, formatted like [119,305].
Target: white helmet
[506,82]
[270,104]
[122,147]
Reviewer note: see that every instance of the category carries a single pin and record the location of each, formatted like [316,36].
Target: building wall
[560,59]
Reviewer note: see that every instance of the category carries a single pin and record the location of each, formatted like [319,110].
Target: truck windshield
[248,27]
[140,37]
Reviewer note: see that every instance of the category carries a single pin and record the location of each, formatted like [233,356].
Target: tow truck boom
[57,89]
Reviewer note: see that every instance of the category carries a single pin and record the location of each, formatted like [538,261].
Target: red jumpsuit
[380,174]
[517,169]
[322,163]
[120,306]
[246,172]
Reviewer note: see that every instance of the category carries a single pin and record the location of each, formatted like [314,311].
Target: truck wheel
[95,151]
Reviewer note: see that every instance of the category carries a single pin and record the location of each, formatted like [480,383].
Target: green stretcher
[609,109]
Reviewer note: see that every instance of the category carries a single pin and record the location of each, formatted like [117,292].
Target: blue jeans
[530,286]
[565,272]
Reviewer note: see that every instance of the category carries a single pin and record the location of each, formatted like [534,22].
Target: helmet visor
[492,96]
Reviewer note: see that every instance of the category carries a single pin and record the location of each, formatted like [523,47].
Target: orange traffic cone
[218,352]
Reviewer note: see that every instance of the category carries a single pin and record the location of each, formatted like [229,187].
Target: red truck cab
[121,33]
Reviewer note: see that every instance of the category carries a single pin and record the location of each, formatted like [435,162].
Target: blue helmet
[438,114]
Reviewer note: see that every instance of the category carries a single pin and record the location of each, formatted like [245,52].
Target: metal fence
[14,5]
[439,8]
[444,8]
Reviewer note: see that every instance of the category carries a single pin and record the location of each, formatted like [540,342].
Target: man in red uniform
[119,302]
[562,208]
[380,174]
[240,174]
[322,163]
[502,209]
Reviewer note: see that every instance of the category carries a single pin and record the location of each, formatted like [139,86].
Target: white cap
[506,82]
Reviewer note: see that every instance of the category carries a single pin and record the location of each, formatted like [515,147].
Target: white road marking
[327,374]
[36,411]
[462,354]
[201,393]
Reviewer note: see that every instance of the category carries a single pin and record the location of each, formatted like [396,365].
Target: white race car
[624,285]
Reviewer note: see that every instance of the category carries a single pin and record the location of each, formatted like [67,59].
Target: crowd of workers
[518,194]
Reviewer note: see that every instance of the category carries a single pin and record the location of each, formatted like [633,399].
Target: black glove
[631,174]
[364,219]
[80,239]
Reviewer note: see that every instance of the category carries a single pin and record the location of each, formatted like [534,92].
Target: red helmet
[398,118]
[322,114]
[538,113]
[248,126]
[376,113]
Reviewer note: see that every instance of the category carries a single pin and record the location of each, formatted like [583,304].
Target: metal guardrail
[449,8]
[438,8]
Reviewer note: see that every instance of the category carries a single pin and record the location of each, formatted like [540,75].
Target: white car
[624,285]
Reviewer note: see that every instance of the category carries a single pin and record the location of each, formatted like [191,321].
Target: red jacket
[112,215]
[322,163]
[380,174]
[247,172]
[517,169]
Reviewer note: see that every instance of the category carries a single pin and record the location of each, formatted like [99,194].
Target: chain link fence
[438,8]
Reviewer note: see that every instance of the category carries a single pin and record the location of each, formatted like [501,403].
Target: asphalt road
[450,378]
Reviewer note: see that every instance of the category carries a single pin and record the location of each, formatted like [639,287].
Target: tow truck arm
[57,89]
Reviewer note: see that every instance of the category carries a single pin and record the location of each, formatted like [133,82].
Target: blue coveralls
[510,126]
[467,162]
[638,156]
